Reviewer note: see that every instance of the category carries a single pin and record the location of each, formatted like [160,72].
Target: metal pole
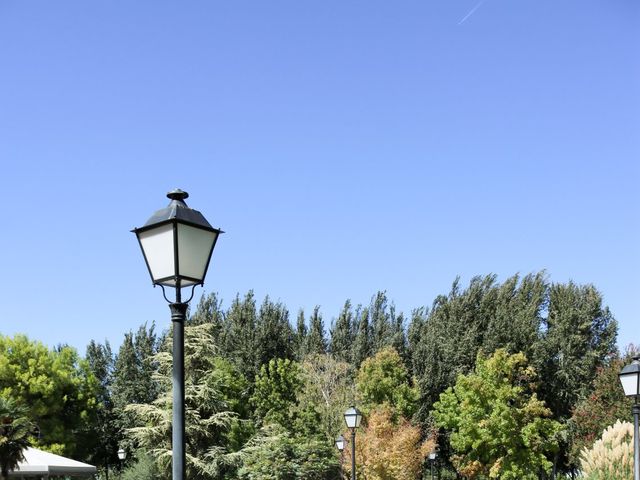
[353,454]
[178,315]
[431,469]
[636,442]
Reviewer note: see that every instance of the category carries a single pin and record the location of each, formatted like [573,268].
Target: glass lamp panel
[629,383]
[351,418]
[340,443]
[195,247]
[157,245]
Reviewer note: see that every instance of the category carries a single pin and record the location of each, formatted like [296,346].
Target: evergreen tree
[362,344]
[274,335]
[342,335]
[106,437]
[379,318]
[209,310]
[301,336]
[316,341]
[238,339]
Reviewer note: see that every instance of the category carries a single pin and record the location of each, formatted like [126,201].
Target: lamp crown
[177,194]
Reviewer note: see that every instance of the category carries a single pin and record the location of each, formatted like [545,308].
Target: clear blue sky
[345,146]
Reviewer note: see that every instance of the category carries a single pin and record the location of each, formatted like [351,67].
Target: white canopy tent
[45,465]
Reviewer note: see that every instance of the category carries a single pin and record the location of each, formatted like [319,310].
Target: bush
[611,457]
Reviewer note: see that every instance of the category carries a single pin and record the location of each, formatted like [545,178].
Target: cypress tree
[362,345]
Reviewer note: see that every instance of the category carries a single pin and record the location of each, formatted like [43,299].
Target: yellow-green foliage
[611,457]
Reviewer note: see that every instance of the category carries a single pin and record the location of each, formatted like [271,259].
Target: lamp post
[122,454]
[177,243]
[432,458]
[340,441]
[352,418]
[630,380]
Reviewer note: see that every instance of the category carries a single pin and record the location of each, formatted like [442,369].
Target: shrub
[611,457]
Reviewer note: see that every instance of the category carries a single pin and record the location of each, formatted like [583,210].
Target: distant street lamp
[353,417]
[121,455]
[630,380]
[340,442]
[432,458]
[177,243]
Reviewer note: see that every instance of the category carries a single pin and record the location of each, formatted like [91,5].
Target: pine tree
[342,335]
[379,317]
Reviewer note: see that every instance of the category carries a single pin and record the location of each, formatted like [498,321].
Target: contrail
[473,10]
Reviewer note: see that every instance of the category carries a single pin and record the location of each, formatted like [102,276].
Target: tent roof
[37,462]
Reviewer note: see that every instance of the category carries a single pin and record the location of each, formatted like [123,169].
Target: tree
[326,393]
[281,456]
[134,378]
[275,391]
[383,380]
[57,388]
[105,434]
[208,418]
[238,337]
[388,449]
[498,426]
[273,335]
[15,429]
[316,341]
[342,335]
[605,405]
[300,339]
[362,344]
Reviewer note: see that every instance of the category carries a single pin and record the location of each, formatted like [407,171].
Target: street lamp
[121,455]
[432,458]
[353,417]
[630,380]
[340,442]
[177,243]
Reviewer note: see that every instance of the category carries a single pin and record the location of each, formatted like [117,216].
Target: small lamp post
[340,442]
[122,454]
[432,458]
[630,380]
[177,243]
[353,417]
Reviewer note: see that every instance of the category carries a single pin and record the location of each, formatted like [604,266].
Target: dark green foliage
[16,428]
[316,341]
[300,339]
[283,457]
[133,377]
[579,338]
[274,335]
[104,440]
[342,335]
[238,338]
[362,344]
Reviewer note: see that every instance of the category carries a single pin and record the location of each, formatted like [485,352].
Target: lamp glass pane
[340,444]
[630,384]
[352,418]
[157,245]
[194,246]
